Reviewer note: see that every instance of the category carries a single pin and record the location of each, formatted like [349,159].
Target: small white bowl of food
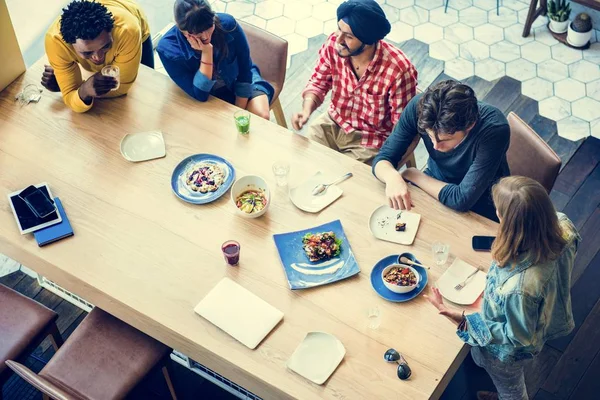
[400,278]
[251,196]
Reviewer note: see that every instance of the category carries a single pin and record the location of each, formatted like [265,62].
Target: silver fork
[461,285]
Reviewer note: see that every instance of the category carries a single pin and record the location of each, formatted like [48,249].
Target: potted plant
[558,13]
[580,30]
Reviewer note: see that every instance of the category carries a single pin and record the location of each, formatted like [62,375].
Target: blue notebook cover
[56,232]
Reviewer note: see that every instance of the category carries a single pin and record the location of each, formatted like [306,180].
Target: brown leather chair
[24,324]
[269,53]
[529,155]
[104,358]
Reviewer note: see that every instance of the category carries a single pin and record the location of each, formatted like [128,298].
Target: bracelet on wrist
[206,63]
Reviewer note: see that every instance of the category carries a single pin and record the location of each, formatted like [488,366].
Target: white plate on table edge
[389,233]
[143,146]
[317,356]
[455,274]
[332,194]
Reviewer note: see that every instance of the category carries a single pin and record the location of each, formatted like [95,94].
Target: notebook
[56,232]
[239,312]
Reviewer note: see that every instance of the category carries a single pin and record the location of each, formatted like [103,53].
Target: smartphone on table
[483,243]
[37,201]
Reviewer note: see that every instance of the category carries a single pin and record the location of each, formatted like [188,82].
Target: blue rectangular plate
[302,273]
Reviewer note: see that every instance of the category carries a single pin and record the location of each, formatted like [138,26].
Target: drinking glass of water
[281,170]
[242,121]
[373,317]
[112,70]
[440,252]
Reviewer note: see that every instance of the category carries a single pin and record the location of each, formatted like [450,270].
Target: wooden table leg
[533,13]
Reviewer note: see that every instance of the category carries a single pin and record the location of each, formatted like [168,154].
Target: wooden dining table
[147,257]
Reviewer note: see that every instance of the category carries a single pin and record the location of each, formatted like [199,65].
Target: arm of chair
[40,383]
[409,156]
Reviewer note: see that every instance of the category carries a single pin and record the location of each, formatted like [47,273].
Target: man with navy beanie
[371,83]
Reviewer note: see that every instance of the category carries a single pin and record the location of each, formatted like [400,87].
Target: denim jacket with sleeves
[525,305]
[238,72]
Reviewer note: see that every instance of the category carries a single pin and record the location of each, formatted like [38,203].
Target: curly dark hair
[84,20]
[447,107]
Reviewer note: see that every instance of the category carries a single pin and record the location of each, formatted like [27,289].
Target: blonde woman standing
[527,300]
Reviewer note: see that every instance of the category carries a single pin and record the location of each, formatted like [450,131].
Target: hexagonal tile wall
[537,89]
[565,54]
[473,17]
[490,69]
[584,71]
[587,109]
[488,34]
[269,9]
[505,51]
[470,38]
[573,128]
[443,50]
[555,108]
[521,70]
[552,70]
[441,18]
[593,90]
[428,33]
[569,89]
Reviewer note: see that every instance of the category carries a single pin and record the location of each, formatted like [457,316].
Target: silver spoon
[405,260]
[321,188]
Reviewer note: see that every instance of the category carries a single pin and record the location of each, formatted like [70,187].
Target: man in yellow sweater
[91,35]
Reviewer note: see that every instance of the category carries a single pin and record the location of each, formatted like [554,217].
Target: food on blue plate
[400,226]
[401,276]
[321,246]
[204,177]
[251,201]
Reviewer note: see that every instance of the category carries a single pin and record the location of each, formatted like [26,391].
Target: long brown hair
[196,16]
[529,228]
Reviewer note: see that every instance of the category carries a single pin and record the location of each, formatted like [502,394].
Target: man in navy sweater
[466,140]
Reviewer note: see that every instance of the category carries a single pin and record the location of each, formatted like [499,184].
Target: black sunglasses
[392,356]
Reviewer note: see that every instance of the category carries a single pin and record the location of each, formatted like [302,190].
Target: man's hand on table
[96,85]
[299,119]
[49,79]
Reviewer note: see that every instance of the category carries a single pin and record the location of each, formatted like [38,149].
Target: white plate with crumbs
[384,219]
[143,146]
[317,357]
[239,312]
[303,198]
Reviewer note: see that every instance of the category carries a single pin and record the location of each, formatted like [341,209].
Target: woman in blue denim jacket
[527,299]
[207,53]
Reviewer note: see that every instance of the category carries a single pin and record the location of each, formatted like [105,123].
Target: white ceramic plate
[382,224]
[303,198]
[143,146]
[454,275]
[317,356]
[239,312]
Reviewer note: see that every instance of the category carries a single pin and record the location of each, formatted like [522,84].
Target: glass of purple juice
[231,252]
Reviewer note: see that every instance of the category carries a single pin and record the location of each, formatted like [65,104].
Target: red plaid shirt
[371,105]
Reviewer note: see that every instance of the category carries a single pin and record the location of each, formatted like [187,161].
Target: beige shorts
[327,132]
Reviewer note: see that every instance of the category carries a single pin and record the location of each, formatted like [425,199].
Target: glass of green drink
[242,121]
